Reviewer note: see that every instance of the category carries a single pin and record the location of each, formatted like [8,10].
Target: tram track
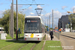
[33,46]
[27,44]
[22,46]
[43,45]
[35,43]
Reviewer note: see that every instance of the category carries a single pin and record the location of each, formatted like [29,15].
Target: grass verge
[39,46]
[14,46]
[53,45]
[3,43]
[28,46]
[11,45]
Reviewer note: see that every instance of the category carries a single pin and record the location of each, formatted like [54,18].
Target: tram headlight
[37,35]
[26,35]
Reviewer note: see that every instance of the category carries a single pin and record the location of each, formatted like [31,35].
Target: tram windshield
[32,25]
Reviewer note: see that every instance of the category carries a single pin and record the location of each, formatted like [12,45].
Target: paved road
[68,42]
[71,34]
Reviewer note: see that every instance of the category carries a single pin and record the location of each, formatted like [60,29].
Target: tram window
[32,25]
[1,29]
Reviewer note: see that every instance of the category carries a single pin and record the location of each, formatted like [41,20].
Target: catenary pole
[52,19]
[16,19]
[49,21]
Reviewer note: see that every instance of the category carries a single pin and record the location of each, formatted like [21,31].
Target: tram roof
[33,17]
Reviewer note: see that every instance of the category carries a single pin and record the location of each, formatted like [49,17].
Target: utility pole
[11,22]
[49,21]
[47,24]
[71,19]
[16,19]
[71,23]
[52,19]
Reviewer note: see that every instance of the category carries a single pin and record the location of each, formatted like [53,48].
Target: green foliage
[0,21]
[72,20]
[46,27]
[0,25]
[5,21]
[51,28]
[21,19]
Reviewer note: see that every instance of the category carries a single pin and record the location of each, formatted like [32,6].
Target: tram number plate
[32,35]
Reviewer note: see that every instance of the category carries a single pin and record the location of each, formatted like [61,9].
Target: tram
[34,28]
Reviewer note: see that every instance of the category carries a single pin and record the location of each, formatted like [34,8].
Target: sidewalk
[70,34]
[48,37]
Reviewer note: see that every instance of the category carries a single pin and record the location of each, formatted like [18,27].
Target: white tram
[34,28]
[1,30]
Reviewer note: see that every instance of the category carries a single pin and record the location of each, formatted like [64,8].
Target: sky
[59,7]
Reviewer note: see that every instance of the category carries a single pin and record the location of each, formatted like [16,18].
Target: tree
[5,21]
[46,28]
[72,20]
[0,23]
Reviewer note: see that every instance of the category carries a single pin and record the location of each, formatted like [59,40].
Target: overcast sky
[60,8]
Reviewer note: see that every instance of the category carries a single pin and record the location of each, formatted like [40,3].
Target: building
[63,21]
[59,23]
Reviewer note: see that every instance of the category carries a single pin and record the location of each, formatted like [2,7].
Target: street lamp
[49,22]
[52,19]
[71,19]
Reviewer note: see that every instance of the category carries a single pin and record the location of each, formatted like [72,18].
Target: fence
[57,34]
[73,30]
